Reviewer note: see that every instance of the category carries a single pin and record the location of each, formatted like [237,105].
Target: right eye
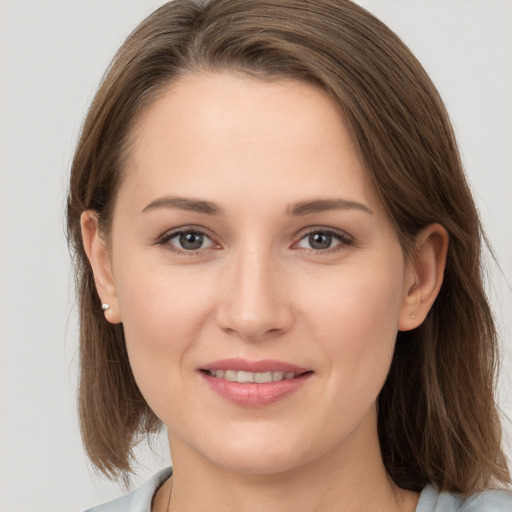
[186,241]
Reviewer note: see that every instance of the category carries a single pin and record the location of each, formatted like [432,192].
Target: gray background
[52,56]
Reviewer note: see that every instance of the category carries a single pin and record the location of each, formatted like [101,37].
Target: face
[248,244]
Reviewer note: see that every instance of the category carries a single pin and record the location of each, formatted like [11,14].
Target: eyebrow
[324,205]
[296,209]
[184,203]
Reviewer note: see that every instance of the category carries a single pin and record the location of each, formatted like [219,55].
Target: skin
[258,289]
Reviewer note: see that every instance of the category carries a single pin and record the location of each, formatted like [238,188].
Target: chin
[266,464]
[261,455]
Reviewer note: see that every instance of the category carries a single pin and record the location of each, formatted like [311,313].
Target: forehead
[217,133]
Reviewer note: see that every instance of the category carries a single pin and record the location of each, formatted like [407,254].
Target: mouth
[254,383]
[253,377]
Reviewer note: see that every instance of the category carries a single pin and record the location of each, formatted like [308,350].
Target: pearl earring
[105,307]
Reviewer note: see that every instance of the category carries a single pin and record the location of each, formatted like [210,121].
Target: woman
[279,259]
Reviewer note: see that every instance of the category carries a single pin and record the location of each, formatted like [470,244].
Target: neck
[351,477]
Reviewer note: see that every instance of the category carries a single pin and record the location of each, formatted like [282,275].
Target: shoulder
[493,500]
[138,500]
[489,501]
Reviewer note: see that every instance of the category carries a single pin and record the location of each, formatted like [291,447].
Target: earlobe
[99,258]
[424,275]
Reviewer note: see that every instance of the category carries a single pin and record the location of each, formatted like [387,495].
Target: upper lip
[263,365]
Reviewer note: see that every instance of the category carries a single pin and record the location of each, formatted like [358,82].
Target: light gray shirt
[430,499]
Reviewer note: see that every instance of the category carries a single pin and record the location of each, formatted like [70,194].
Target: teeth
[243,377]
[229,375]
[277,376]
[263,377]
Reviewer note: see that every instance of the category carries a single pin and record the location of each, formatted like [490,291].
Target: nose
[255,302]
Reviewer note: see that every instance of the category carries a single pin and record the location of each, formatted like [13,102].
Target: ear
[424,275]
[99,257]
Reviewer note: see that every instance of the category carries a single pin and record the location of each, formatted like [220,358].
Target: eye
[324,240]
[189,240]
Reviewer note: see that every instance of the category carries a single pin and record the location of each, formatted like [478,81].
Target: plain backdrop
[52,56]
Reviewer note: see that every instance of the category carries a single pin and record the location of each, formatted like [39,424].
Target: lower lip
[255,395]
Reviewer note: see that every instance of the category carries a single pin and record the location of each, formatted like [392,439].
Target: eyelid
[171,233]
[342,236]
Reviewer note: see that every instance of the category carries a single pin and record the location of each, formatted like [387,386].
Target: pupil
[320,240]
[191,241]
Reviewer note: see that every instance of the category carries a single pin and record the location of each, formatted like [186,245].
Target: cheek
[163,314]
[357,302]
[356,322]
[158,304]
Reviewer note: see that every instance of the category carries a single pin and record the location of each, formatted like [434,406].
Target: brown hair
[437,418]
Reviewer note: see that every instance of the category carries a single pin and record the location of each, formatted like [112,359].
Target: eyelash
[166,237]
[343,239]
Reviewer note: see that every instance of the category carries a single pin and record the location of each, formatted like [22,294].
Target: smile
[254,383]
[248,377]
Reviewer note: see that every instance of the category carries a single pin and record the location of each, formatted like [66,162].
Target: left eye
[188,240]
[322,240]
